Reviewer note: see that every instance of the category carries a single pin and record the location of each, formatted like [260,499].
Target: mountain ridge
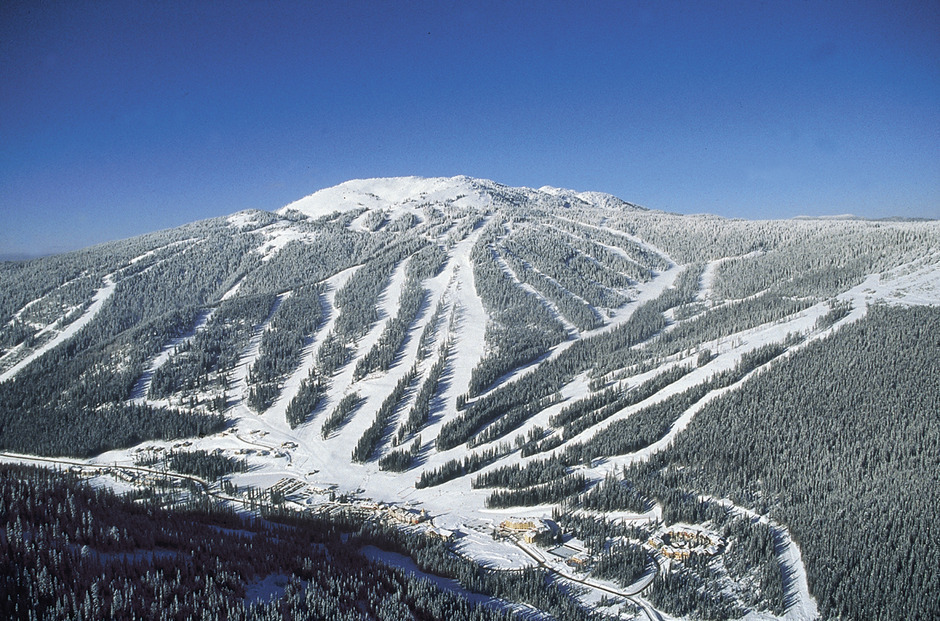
[396,339]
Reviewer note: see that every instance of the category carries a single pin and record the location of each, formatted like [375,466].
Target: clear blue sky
[119,118]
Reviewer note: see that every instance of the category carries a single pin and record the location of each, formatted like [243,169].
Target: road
[651,613]
[206,487]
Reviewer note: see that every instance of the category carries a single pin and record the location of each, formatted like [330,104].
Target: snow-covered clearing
[468,347]
[250,355]
[142,387]
[915,283]
[101,296]
[279,235]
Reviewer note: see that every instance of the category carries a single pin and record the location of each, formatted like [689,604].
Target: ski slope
[462,215]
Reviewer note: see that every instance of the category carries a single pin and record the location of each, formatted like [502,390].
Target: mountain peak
[384,192]
[461,191]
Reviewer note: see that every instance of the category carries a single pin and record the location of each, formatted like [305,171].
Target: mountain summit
[390,193]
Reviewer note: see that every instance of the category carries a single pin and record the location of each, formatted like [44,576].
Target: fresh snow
[399,193]
[801,605]
[101,296]
[142,387]
[407,565]
[321,463]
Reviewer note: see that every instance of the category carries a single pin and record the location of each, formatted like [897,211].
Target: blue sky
[120,118]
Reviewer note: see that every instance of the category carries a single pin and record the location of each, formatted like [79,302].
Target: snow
[394,192]
[101,296]
[570,328]
[802,605]
[407,565]
[276,415]
[142,386]
[455,505]
[240,374]
[632,238]
[711,269]
[279,235]
[149,254]
[243,219]
[914,284]
[373,388]
[266,589]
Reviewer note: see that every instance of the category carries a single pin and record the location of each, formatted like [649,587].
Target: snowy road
[651,613]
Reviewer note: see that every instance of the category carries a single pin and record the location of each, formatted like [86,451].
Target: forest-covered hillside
[476,351]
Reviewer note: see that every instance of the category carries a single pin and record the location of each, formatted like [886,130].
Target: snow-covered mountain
[479,351]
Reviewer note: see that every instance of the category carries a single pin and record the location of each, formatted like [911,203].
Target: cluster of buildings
[441,533]
[529,528]
[288,486]
[573,557]
[406,515]
[368,509]
[682,543]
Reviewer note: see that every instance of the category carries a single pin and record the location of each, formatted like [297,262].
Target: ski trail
[728,355]
[18,315]
[276,415]
[647,291]
[449,287]
[556,313]
[375,387]
[620,252]
[642,243]
[242,369]
[469,345]
[98,300]
[790,558]
[142,386]
[707,289]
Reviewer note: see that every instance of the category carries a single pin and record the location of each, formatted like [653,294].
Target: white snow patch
[100,297]
[391,192]
[279,235]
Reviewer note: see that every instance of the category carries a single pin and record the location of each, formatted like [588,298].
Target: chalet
[440,533]
[682,543]
[408,516]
